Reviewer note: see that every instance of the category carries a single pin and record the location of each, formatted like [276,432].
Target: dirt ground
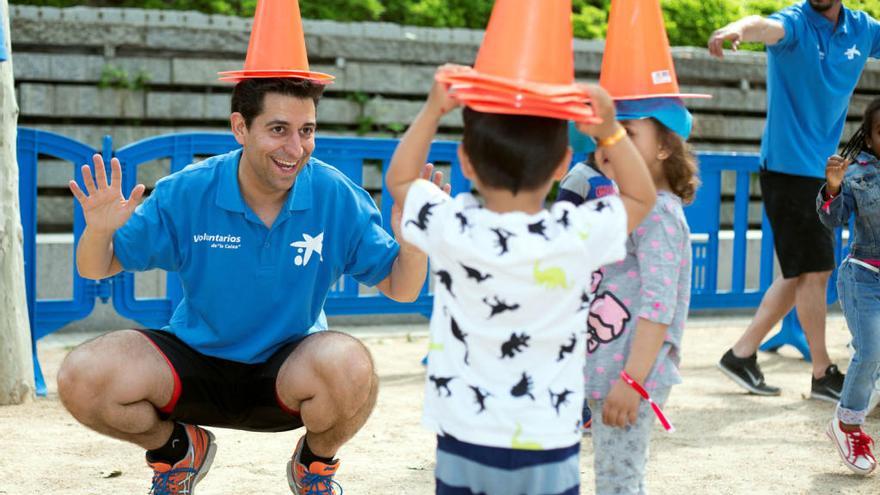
[726,442]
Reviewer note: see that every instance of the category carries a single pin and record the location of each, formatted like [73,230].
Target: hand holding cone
[525,65]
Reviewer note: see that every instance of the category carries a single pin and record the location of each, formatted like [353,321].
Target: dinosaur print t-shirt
[653,282]
[507,345]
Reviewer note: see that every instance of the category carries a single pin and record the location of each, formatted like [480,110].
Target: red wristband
[644,393]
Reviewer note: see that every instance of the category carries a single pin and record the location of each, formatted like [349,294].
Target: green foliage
[688,22]
[118,78]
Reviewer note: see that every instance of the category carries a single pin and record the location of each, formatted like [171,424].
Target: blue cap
[580,142]
[670,112]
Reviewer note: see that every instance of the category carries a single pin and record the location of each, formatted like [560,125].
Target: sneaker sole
[742,383]
[209,459]
[824,397]
[831,436]
[290,478]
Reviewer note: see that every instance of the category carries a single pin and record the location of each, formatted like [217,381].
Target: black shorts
[803,244]
[210,391]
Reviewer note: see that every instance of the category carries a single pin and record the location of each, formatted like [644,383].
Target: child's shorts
[468,469]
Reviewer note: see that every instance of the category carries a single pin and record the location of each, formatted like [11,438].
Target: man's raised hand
[104,207]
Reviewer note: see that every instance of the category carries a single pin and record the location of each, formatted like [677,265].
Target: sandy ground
[727,442]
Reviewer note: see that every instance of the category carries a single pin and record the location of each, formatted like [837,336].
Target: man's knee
[342,356]
[814,279]
[119,366]
[81,378]
[342,363]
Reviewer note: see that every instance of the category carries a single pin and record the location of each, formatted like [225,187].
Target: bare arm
[751,29]
[636,186]
[105,210]
[622,403]
[407,165]
[412,151]
[411,266]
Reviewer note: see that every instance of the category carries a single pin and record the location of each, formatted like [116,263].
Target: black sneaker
[746,373]
[829,386]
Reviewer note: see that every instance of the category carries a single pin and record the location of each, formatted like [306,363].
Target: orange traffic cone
[637,62]
[277,46]
[525,64]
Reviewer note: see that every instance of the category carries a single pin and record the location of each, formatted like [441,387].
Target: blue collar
[229,193]
[866,158]
[822,22]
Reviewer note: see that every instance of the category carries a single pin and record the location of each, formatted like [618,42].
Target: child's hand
[621,406]
[439,99]
[603,105]
[835,169]
[428,173]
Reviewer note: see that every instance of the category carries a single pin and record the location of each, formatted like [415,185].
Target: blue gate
[349,156]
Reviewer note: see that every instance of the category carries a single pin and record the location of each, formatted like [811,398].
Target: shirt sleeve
[659,250]
[601,225]
[792,21]
[373,250]
[148,240]
[422,208]
[836,211]
[575,186]
[874,29]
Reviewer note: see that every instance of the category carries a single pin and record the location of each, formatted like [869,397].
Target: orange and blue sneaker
[316,479]
[181,478]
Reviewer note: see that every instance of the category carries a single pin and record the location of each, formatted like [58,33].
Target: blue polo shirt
[811,74]
[249,289]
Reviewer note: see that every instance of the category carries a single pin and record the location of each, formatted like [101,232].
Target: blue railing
[349,156]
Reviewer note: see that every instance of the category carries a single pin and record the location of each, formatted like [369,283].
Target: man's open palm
[105,208]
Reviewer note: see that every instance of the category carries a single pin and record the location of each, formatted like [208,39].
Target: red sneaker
[854,447]
[316,479]
[182,477]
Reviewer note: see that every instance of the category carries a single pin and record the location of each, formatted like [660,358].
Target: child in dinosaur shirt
[505,366]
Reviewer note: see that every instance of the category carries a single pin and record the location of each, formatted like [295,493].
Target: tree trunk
[16,361]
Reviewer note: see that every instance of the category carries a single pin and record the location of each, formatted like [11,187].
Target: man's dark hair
[513,152]
[248,95]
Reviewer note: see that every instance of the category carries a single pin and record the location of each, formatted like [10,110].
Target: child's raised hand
[440,98]
[603,105]
[621,406]
[835,169]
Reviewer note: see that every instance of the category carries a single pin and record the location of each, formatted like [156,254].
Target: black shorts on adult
[210,391]
[803,244]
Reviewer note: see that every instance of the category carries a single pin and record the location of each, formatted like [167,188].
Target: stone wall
[85,72]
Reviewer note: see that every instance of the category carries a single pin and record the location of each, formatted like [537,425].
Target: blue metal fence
[349,155]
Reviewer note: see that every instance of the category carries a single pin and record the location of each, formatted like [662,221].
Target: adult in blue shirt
[816,51]
[258,237]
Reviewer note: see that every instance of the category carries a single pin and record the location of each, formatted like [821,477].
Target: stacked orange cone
[277,46]
[637,62]
[525,65]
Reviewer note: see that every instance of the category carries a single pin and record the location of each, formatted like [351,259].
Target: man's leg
[114,385]
[330,379]
[776,303]
[811,310]
[740,362]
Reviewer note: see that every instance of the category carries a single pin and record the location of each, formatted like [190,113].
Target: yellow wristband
[612,139]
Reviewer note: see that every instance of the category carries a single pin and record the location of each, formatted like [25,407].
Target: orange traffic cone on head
[525,64]
[277,46]
[637,62]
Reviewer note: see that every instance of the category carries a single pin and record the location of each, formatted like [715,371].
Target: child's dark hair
[513,152]
[248,95]
[858,142]
[680,167]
